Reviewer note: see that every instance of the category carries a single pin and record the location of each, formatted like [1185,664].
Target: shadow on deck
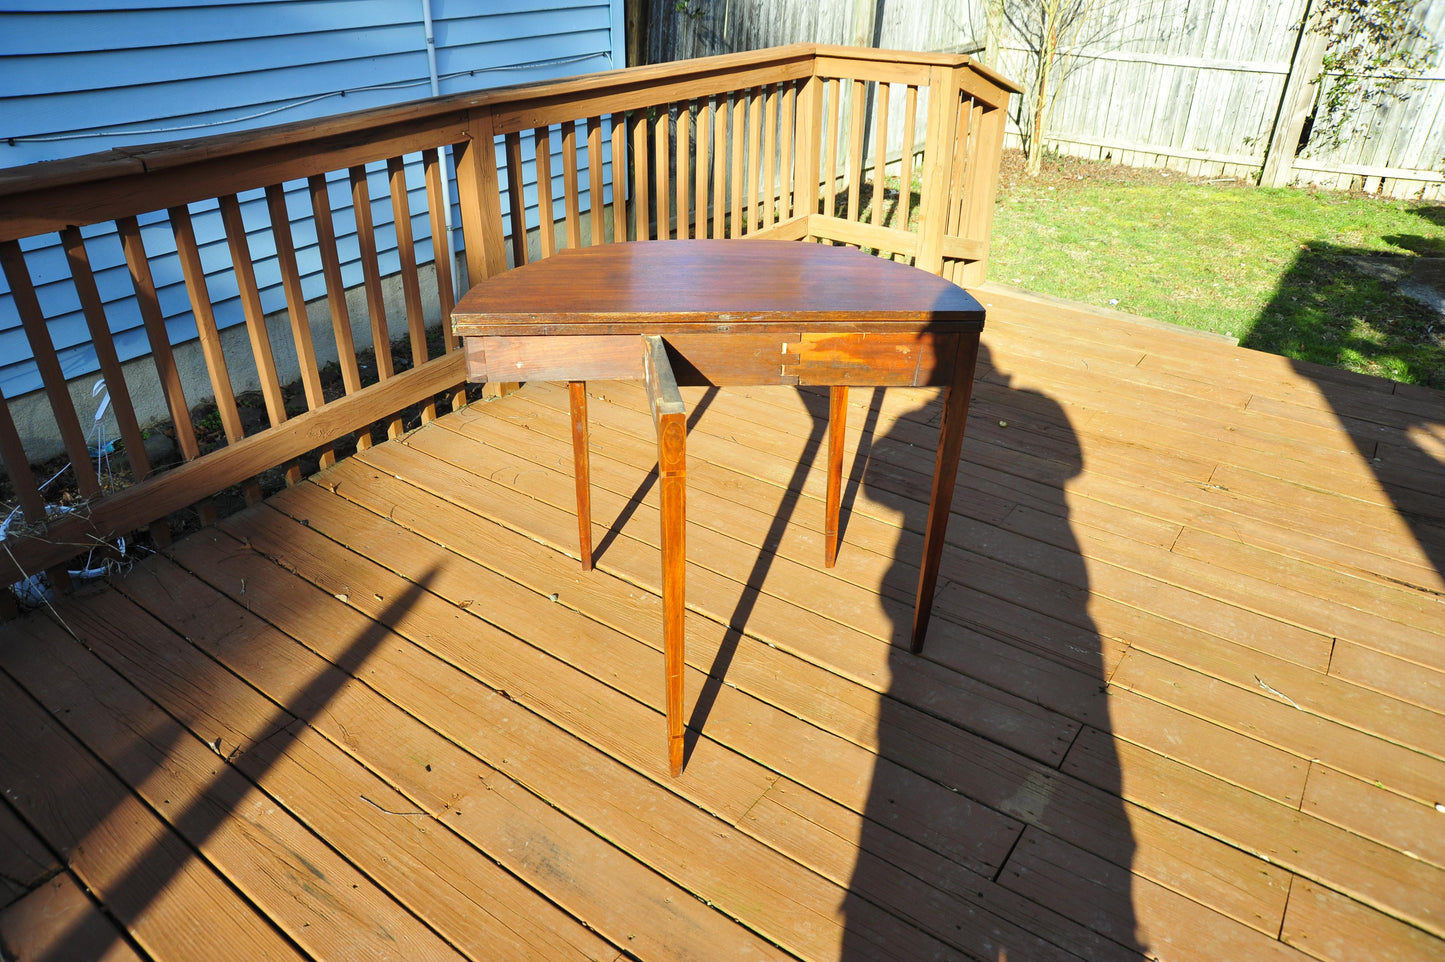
[1182,694]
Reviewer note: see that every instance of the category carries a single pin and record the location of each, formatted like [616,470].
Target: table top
[714,286]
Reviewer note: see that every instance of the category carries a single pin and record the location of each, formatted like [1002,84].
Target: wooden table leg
[670,418]
[945,474]
[837,423]
[581,471]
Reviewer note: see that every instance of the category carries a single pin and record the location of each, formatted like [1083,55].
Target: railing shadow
[1395,328]
[966,905]
[232,787]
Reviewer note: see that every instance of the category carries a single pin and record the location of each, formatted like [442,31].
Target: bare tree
[1053,34]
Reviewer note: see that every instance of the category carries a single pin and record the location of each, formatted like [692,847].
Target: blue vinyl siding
[160,70]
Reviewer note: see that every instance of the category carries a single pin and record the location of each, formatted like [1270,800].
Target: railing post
[983,189]
[479,192]
[939,143]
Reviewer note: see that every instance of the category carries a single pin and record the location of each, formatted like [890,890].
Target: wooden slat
[620,185]
[770,155]
[371,273]
[787,114]
[17,467]
[200,297]
[683,175]
[596,205]
[738,127]
[145,293]
[22,289]
[251,306]
[720,169]
[702,163]
[753,160]
[335,287]
[833,96]
[662,172]
[856,129]
[880,152]
[295,298]
[406,250]
[910,146]
[100,339]
[546,225]
[570,190]
[442,257]
[641,178]
[942,131]
[516,203]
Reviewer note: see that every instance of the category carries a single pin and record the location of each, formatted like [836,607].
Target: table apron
[902,359]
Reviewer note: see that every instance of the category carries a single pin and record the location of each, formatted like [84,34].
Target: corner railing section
[773,143]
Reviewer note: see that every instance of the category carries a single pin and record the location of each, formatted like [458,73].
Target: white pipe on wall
[431,65]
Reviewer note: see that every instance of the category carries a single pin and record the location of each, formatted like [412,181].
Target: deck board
[1183,693]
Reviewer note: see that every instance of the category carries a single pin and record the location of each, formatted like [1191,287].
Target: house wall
[81,76]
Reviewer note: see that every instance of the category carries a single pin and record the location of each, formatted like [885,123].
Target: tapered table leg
[669,416]
[581,471]
[945,474]
[837,424]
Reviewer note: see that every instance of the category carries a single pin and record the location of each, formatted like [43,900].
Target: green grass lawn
[1288,271]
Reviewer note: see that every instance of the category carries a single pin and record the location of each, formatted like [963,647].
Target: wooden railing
[770,143]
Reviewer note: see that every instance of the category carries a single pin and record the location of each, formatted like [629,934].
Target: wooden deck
[1183,696]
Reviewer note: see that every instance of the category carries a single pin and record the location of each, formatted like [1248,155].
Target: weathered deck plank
[1183,692]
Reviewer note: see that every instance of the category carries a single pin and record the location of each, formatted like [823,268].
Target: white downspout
[431,65]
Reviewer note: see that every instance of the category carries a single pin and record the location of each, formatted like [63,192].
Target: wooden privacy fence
[745,145]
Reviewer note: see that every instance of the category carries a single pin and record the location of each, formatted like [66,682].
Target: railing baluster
[251,307]
[830,165]
[441,242]
[619,177]
[375,298]
[145,294]
[684,180]
[43,350]
[547,230]
[701,160]
[410,285]
[809,148]
[595,183]
[296,312]
[720,168]
[770,155]
[516,201]
[905,167]
[739,127]
[884,93]
[569,185]
[210,338]
[787,118]
[855,147]
[660,139]
[95,320]
[371,272]
[641,179]
[754,151]
[335,287]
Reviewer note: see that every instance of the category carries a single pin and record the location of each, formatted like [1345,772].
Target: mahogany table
[715,312]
